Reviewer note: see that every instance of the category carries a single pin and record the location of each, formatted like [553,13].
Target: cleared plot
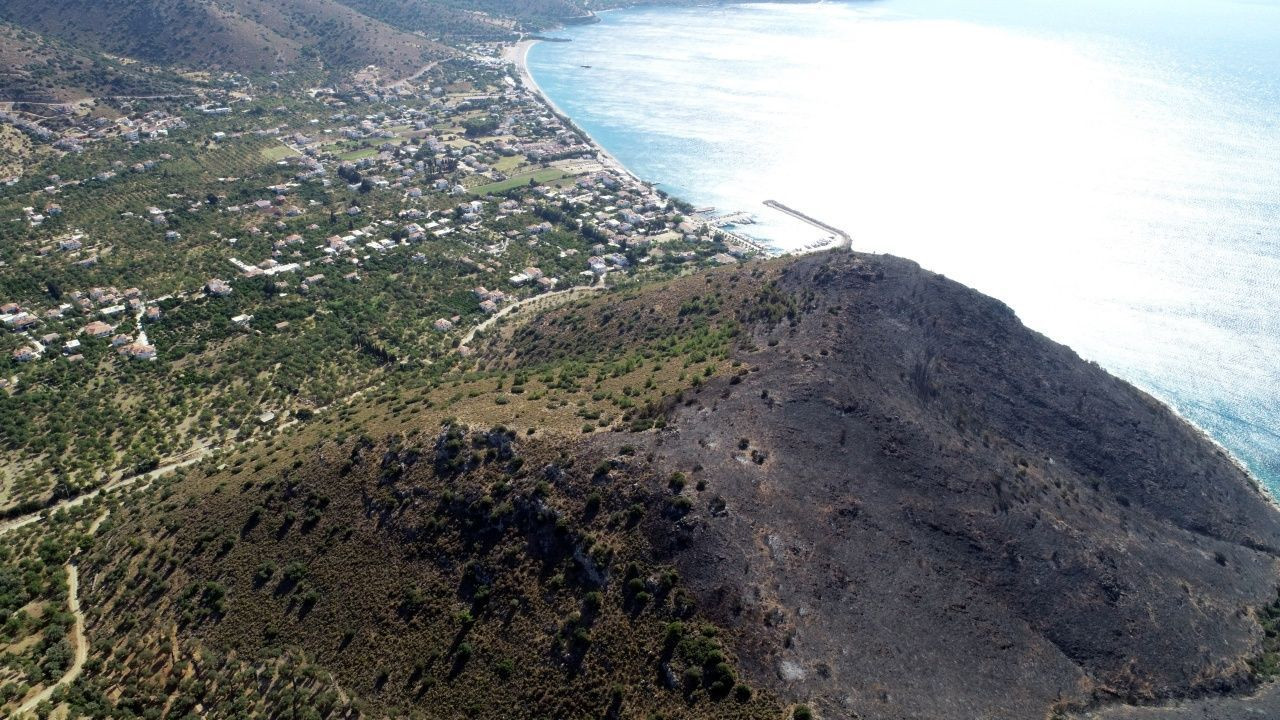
[359,154]
[507,164]
[278,152]
[541,176]
[471,182]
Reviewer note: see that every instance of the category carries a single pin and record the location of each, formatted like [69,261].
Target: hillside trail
[79,644]
[549,298]
[189,458]
[186,459]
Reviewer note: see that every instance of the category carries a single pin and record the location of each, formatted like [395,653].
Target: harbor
[838,238]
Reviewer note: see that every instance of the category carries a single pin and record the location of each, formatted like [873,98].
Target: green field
[278,152]
[358,154]
[542,176]
[507,164]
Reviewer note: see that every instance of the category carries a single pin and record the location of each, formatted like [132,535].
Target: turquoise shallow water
[1111,170]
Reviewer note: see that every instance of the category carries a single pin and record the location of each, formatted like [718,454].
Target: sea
[1108,168]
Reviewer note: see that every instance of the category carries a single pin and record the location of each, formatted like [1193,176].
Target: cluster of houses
[267,267]
[535,276]
[133,347]
[628,221]
[419,151]
[490,300]
[74,131]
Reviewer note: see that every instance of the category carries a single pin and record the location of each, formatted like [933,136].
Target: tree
[484,125]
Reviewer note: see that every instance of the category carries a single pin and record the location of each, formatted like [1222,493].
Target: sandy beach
[518,55]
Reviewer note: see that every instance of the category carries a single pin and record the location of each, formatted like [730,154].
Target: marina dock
[846,240]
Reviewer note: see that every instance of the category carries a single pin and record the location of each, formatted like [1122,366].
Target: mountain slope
[259,36]
[849,482]
[245,35]
[916,499]
[34,68]
[463,19]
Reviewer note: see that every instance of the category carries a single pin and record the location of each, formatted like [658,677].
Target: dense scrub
[473,572]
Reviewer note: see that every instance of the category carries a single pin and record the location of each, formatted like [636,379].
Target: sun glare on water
[1117,200]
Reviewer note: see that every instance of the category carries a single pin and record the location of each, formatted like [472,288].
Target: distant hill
[36,68]
[868,489]
[244,35]
[468,19]
[260,36]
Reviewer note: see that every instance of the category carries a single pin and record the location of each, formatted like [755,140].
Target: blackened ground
[915,507]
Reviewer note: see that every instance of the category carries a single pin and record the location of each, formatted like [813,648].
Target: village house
[98,329]
[20,321]
[217,288]
[139,351]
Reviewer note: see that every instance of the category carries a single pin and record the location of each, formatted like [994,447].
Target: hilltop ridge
[889,498]
[244,35]
[258,37]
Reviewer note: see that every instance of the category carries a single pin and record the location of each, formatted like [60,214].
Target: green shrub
[692,679]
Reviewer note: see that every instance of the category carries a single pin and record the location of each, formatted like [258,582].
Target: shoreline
[518,55]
